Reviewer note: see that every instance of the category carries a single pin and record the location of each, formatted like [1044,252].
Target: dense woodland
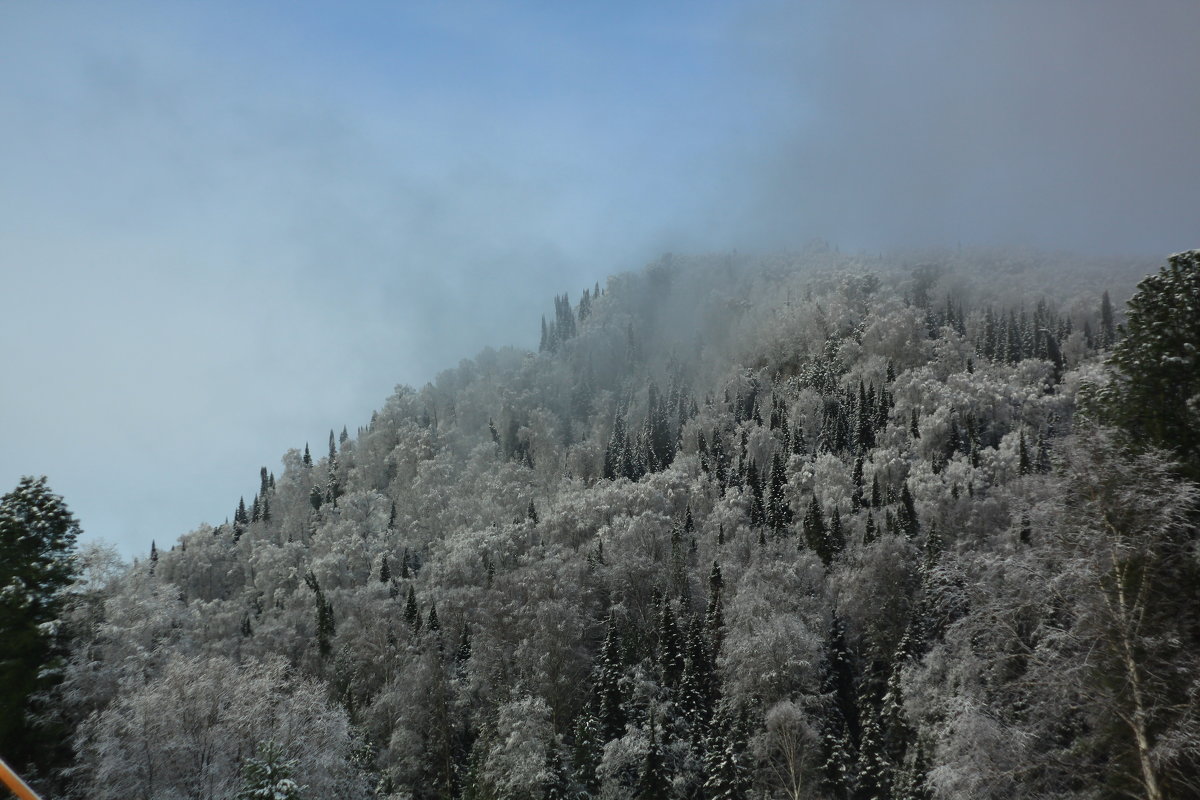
[803,526]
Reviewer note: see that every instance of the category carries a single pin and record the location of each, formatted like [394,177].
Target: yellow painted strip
[15,784]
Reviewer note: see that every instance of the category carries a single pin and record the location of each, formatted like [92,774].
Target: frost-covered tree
[790,749]
[190,731]
[1074,652]
[1126,536]
[518,764]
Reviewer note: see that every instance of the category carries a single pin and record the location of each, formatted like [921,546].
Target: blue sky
[227,228]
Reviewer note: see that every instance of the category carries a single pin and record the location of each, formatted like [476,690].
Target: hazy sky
[226,228]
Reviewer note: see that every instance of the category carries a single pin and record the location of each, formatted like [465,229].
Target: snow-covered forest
[808,525]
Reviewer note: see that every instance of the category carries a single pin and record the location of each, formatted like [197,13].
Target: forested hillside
[802,526]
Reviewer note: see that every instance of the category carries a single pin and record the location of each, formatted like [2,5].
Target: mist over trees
[810,525]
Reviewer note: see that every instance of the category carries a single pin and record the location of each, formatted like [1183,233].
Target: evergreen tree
[906,517]
[896,735]
[699,685]
[837,538]
[927,623]
[659,441]
[720,461]
[653,783]
[714,617]
[1041,463]
[865,422]
[799,444]
[726,761]
[564,318]
[670,648]
[385,573]
[268,776]
[474,785]
[463,652]
[1155,394]
[910,783]
[986,344]
[954,438]
[324,614]
[874,770]
[585,305]
[815,533]
[608,693]
[37,543]
[412,614]
[883,409]
[616,454]
[559,786]
[779,512]
[1089,336]
[588,750]
[757,512]
[973,439]
[1108,328]
[856,497]
[333,485]
[738,477]
[838,715]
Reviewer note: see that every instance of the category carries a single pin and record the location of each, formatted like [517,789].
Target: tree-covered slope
[806,525]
